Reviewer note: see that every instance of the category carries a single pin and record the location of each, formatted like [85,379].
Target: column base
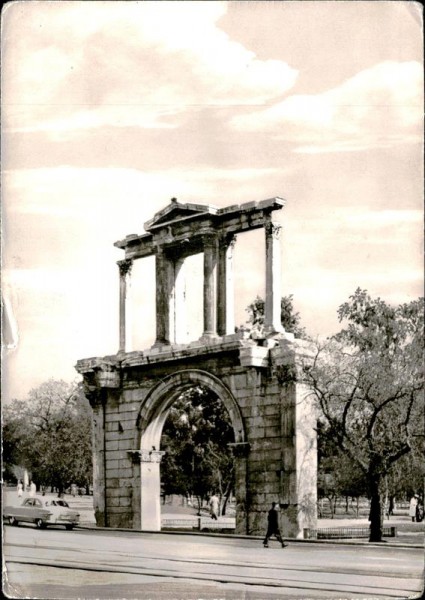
[278,334]
[270,330]
[161,344]
[208,337]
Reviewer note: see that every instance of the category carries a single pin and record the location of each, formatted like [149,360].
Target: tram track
[230,572]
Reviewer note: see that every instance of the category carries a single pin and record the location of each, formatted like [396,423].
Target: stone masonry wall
[279,425]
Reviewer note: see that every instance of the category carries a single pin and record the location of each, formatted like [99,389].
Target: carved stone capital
[94,395]
[228,240]
[125,266]
[210,240]
[273,229]
[108,376]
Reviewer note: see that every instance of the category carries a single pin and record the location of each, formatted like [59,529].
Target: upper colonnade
[181,230]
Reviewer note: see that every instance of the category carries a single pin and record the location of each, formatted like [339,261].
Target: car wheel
[39,524]
[12,521]
[69,527]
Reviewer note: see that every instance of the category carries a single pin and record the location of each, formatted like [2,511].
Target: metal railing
[198,523]
[341,533]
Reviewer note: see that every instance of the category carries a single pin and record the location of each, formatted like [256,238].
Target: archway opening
[152,418]
[198,461]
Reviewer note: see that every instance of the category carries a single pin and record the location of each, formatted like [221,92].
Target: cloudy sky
[109,109]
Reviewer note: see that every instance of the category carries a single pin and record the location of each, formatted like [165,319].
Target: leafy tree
[49,434]
[289,318]
[338,475]
[196,437]
[368,383]
[405,477]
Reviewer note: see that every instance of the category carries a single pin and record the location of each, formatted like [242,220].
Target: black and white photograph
[212,299]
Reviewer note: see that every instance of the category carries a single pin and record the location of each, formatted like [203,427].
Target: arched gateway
[131,392]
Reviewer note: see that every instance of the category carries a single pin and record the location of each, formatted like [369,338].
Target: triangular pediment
[177,211]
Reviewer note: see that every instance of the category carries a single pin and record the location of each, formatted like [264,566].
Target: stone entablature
[182,230]
[171,226]
[249,351]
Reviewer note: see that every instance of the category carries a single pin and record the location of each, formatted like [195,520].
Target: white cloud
[379,107]
[86,65]
[77,193]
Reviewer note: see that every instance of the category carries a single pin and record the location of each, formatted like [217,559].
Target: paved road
[55,563]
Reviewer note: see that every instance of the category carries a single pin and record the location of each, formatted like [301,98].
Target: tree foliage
[198,460]
[368,382]
[290,319]
[49,434]
[338,474]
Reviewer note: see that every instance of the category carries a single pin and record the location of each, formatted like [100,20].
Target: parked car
[42,511]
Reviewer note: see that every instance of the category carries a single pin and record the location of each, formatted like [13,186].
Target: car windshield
[60,503]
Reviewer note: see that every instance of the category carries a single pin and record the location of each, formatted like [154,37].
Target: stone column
[225,291]
[210,286]
[125,332]
[272,320]
[97,402]
[150,480]
[162,275]
[179,302]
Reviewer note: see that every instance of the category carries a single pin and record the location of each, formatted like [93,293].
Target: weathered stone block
[125,444]
[113,501]
[273,431]
[112,465]
[111,444]
[255,432]
[114,455]
[112,432]
[271,410]
[125,501]
[113,492]
[126,467]
[239,382]
[269,400]
[255,356]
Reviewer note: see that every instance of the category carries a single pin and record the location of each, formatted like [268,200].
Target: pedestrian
[273,526]
[419,511]
[214,507]
[413,506]
[33,489]
[20,488]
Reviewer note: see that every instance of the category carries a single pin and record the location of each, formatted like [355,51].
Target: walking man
[273,526]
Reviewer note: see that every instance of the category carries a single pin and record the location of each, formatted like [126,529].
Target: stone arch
[150,422]
[153,413]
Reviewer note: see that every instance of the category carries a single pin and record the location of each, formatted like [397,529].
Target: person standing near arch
[33,489]
[214,507]
[20,489]
[273,526]
[412,507]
